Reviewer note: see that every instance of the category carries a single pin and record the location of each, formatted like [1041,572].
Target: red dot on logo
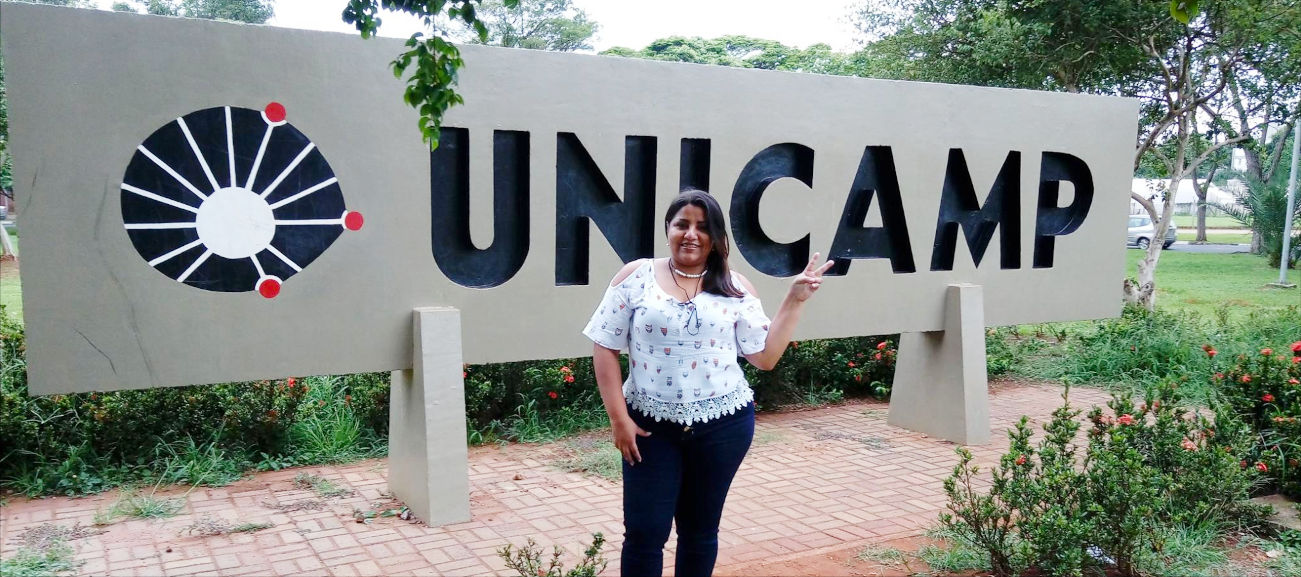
[353,220]
[269,288]
[275,112]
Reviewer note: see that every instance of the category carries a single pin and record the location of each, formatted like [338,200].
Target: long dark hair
[718,277]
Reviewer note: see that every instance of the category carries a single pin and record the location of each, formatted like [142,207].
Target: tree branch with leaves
[431,85]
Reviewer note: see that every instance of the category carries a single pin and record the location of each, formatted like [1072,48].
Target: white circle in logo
[235,223]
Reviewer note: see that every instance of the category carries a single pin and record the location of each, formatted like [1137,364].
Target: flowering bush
[1264,391]
[827,370]
[1146,467]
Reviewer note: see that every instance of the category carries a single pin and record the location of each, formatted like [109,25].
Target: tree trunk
[1201,219]
[1146,295]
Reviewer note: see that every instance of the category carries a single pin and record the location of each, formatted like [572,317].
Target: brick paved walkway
[815,481]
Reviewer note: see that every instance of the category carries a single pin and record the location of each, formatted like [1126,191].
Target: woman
[684,418]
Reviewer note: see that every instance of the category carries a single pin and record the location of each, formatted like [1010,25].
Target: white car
[1142,230]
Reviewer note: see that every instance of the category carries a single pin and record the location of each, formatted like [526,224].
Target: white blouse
[681,356]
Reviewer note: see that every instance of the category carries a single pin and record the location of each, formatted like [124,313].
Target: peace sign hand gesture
[810,279]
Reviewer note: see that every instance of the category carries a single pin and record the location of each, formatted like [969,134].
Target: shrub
[1147,469]
[982,520]
[1263,391]
[827,369]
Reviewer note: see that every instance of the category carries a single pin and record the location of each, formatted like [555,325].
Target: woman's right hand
[626,432]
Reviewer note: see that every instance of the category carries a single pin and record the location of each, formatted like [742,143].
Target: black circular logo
[233,200]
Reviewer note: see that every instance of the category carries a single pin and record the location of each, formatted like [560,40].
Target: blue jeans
[684,476]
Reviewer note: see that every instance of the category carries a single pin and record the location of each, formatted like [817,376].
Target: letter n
[583,196]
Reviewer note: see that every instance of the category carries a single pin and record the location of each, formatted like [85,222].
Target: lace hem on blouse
[692,412]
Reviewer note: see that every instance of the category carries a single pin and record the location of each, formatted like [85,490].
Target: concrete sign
[205,202]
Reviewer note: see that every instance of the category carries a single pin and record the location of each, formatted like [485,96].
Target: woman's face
[689,239]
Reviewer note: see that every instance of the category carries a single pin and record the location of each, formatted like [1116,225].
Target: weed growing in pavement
[209,526]
[885,556]
[603,461]
[766,437]
[44,550]
[54,559]
[323,487]
[527,560]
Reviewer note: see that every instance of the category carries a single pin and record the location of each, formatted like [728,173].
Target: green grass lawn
[1189,221]
[11,288]
[1204,282]
[1187,235]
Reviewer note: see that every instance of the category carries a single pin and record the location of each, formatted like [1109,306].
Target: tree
[430,87]
[538,25]
[250,11]
[742,52]
[1263,208]
[1068,45]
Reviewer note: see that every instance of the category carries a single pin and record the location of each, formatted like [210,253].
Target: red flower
[1241,464]
[465,374]
[1211,353]
[1246,378]
[1020,459]
[347,399]
[553,394]
[290,381]
[858,378]
[1265,352]
[1261,467]
[1293,382]
[1296,347]
[1125,419]
[565,370]
[1268,398]
[1189,445]
[851,364]
[881,345]
[569,378]
[1219,376]
[877,356]
[1296,360]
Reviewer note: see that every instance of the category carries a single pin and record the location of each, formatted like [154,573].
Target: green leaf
[1184,10]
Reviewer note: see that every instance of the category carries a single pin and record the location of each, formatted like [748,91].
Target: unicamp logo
[232,200]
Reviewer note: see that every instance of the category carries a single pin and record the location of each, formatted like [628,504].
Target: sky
[635,23]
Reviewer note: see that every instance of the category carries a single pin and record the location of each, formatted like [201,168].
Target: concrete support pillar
[428,458]
[941,386]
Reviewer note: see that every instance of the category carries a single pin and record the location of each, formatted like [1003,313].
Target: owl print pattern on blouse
[682,357]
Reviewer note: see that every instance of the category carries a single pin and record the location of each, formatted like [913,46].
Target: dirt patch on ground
[864,559]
